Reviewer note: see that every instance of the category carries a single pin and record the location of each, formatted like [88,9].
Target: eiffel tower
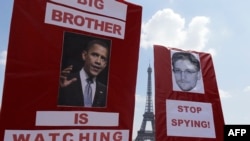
[148,116]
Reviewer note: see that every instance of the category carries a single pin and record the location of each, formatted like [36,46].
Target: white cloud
[246,89]
[164,28]
[167,28]
[224,94]
[3,55]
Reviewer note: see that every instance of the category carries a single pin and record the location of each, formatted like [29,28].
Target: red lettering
[179,122]
[101,25]
[68,17]
[186,108]
[83,137]
[70,136]
[99,4]
[81,118]
[187,122]
[67,135]
[105,136]
[79,20]
[117,136]
[190,123]
[94,136]
[174,122]
[205,124]
[91,23]
[39,137]
[83,2]
[21,137]
[57,15]
[54,136]
[108,27]
[191,109]
[198,109]
[117,29]
[180,108]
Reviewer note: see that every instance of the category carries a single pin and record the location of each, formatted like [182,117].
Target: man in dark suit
[77,88]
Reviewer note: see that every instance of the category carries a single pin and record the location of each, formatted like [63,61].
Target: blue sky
[219,27]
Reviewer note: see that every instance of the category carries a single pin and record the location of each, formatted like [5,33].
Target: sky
[218,27]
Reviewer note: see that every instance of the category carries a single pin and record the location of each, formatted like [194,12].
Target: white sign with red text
[66,135]
[76,118]
[103,7]
[189,119]
[83,21]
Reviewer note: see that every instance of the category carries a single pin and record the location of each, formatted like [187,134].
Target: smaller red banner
[188,106]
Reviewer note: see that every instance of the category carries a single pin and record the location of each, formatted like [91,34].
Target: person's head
[186,69]
[95,57]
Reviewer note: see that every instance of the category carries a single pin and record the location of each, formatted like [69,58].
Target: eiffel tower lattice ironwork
[145,134]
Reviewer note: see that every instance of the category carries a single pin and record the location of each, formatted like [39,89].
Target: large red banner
[54,47]
[188,106]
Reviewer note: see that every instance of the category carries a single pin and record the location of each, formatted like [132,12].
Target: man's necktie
[88,93]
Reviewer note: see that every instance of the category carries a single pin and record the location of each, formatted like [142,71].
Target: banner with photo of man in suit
[65,76]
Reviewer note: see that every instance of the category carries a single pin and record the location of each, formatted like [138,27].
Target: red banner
[54,47]
[188,106]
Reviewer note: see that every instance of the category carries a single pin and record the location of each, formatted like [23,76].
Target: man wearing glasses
[186,70]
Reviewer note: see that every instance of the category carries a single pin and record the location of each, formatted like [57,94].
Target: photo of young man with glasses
[186,72]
